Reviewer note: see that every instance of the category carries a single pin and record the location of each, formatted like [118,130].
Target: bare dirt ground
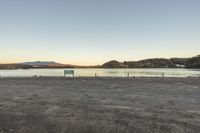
[99,105]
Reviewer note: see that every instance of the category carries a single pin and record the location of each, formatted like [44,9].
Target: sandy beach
[99,105]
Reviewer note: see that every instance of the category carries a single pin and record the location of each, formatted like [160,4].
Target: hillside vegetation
[193,62]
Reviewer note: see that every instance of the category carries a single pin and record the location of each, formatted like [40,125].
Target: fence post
[163,75]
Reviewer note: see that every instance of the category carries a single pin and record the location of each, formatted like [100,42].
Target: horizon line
[90,64]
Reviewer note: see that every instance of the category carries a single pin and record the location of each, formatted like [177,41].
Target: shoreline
[97,77]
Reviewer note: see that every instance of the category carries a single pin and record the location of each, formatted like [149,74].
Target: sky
[91,32]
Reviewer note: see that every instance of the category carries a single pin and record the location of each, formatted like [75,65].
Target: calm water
[153,72]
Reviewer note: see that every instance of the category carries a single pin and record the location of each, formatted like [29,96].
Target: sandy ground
[99,105]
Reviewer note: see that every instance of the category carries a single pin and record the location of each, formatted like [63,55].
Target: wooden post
[163,75]
[128,75]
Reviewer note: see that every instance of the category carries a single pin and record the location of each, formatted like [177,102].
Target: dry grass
[99,105]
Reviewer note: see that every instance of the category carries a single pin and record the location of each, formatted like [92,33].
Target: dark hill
[113,64]
[151,63]
[193,62]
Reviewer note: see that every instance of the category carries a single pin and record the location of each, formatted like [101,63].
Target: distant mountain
[47,64]
[42,63]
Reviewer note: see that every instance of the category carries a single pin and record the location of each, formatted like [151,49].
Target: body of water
[147,72]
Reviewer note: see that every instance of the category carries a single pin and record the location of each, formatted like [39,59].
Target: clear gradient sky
[88,32]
